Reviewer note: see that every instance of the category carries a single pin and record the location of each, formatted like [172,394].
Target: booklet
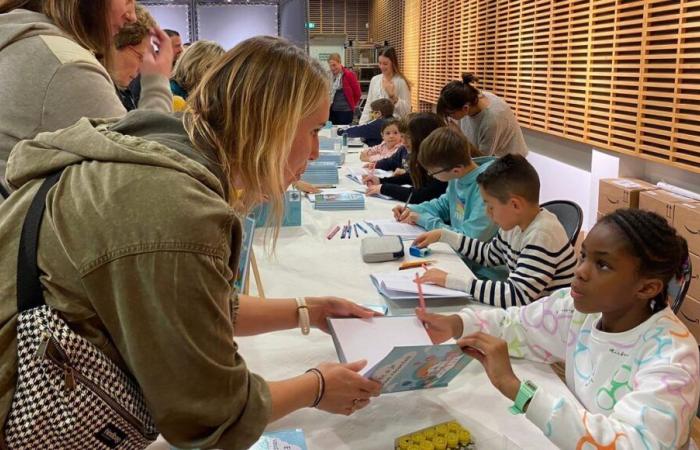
[398,351]
[281,440]
[401,285]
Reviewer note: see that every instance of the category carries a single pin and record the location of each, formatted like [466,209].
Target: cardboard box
[690,315]
[694,289]
[687,222]
[616,193]
[662,203]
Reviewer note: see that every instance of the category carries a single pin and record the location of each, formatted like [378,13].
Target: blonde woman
[130,45]
[151,287]
[49,70]
[390,84]
[345,91]
[190,68]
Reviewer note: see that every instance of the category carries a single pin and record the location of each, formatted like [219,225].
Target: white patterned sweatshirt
[639,388]
[540,260]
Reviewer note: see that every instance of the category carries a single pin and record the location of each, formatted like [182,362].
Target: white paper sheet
[401,285]
[391,227]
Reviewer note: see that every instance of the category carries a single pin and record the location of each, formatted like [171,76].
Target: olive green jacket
[136,254]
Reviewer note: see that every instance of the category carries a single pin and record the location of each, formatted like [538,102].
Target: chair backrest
[569,214]
[677,288]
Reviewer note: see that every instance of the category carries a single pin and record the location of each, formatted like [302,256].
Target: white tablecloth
[307,264]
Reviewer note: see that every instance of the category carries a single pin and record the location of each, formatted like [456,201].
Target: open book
[401,285]
[398,351]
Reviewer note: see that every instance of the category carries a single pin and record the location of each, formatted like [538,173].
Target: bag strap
[29,292]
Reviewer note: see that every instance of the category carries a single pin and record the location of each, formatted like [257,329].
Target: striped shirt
[540,260]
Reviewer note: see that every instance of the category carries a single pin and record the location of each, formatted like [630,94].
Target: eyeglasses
[138,53]
[438,172]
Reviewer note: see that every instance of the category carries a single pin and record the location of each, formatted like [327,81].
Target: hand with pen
[403,214]
[371,180]
[490,351]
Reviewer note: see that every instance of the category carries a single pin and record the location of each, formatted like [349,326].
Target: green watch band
[525,393]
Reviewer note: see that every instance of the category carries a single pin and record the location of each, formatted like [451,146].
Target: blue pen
[356,234]
[371,226]
[379,230]
[342,236]
[361,228]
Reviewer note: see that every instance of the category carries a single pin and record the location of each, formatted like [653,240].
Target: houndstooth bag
[69,395]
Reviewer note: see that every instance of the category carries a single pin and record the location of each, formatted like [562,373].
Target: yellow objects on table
[443,436]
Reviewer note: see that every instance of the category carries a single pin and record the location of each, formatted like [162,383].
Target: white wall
[320,47]
[570,171]
[230,24]
[173,17]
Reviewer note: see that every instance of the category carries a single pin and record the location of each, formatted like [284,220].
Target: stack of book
[321,173]
[329,143]
[339,201]
[337,157]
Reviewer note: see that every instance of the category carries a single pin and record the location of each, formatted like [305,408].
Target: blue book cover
[418,367]
[281,440]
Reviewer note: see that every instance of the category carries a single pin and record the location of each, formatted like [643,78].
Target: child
[629,360]
[531,240]
[371,133]
[391,144]
[485,119]
[445,156]
[422,187]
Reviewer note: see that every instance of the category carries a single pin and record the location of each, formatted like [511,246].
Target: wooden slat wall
[386,23]
[348,17]
[411,55]
[617,74]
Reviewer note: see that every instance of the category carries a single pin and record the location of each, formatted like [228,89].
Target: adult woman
[389,84]
[130,44]
[485,119]
[49,68]
[162,281]
[345,92]
[190,68]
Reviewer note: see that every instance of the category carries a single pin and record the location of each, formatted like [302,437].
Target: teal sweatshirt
[461,206]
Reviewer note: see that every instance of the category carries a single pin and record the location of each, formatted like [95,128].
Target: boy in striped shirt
[531,241]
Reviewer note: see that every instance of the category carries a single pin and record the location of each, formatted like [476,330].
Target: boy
[445,156]
[531,240]
[371,133]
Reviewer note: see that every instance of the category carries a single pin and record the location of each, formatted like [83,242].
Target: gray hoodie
[48,82]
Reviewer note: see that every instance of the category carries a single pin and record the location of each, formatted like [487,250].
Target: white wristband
[303,311]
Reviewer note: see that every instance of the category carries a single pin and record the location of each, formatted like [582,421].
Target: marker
[333,232]
[356,235]
[361,228]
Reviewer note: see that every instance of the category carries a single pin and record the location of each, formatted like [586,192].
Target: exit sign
[310,25]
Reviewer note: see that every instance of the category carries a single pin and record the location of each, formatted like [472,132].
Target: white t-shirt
[375,92]
[495,130]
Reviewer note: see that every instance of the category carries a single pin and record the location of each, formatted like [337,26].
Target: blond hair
[247,111]
[86,21]
[334,57]
[194,62]
[134,33]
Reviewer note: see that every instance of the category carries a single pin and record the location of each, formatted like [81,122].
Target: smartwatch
[525,393]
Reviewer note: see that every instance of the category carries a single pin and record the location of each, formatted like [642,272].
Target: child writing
[531,240]
[422,187]
[371,133]
[445,156]
[629,360]
[391,144]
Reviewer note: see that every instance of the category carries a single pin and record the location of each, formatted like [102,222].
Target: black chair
[677,288]
[569,214]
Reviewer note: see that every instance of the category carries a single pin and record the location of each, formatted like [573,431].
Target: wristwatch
[525,393]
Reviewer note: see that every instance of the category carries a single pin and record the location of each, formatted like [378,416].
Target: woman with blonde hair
[50,71]
[390,84]
[190,69]
[152,287]
[345,91]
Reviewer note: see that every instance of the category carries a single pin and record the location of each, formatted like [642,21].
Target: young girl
[423,187]
[392,142]
[631,363]
[485,119]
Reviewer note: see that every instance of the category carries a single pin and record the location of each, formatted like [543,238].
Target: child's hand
[364,156]
[425,239]
[492,353]
[306,187]
[434,276]
[440,328]
[371,180]
[375,189]
[398,172]
[409,217]
[398,210]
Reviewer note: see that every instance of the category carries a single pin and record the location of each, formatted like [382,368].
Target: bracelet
[303,311]
[321,386]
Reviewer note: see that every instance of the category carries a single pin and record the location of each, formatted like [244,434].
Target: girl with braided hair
[631,363]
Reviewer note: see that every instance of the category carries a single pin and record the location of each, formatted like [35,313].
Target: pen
[361,228]
[356,234]
[421,299]
[378,230]
[405,206]
[333,232]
